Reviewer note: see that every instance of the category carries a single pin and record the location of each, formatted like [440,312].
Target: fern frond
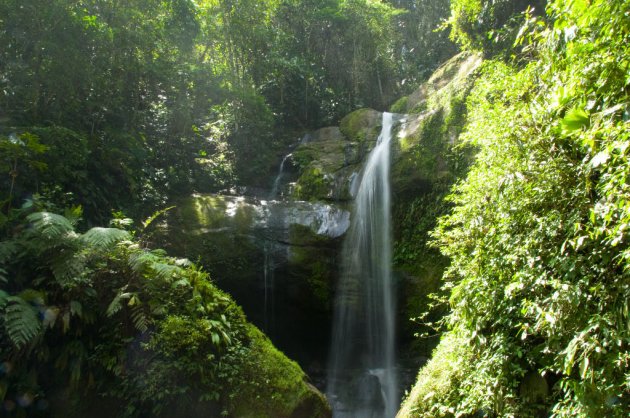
[67,266]
[4,298]
[160,252]
[50,225]
[183,262]
[73,214]
[7,250]
[3,276]
[141,261]
[103,238]
[20,321]
[116,303]
[139,318]
[165,271]
[154,216]
[154,264]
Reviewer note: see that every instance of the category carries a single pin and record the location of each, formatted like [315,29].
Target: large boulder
[331,158]
[278,259]
[427,160]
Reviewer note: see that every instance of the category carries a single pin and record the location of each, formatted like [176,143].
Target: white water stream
[362,379]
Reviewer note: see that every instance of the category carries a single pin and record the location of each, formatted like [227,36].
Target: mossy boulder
[274,386]
[427,160]
[331,157]
[276,258]
[449,364]
[361,125]
[257,381]
[447,78]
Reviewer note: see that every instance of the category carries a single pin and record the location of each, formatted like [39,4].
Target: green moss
[450,362]
[312,184]
[352,123]
[400,106]
[209,211]
[312,259]
[272,385]
[361,125]
[419,107]
[329,160]
[453,77]
[320,282]
[303,156]
[429,160]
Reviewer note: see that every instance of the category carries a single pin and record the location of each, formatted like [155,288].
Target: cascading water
[276,183]
[362,379]
[268,262]
[268,289]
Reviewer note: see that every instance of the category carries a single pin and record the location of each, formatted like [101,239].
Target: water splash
[362,379]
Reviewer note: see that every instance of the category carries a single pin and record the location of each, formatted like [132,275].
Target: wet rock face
[276,258]
[213,214]
[280,259]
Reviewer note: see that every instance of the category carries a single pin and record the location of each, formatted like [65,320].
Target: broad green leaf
[574,119]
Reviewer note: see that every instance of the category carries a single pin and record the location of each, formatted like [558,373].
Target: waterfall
[276,183]
[268,249]
[362,378]
[268,289]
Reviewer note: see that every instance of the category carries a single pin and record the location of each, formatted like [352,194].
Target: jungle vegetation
[538,286]
[110,109]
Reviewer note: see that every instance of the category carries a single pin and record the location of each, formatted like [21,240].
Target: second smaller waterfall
[277,181]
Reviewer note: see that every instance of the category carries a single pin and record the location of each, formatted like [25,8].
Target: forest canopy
[154,98]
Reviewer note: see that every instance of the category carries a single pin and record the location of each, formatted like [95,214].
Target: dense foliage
[490,26]
[152,98]
[95,324]
[121,106]
[539,282]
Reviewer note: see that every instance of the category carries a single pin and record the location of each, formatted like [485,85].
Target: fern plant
[101,239]
[50,225]
[20,321]
[75,303]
